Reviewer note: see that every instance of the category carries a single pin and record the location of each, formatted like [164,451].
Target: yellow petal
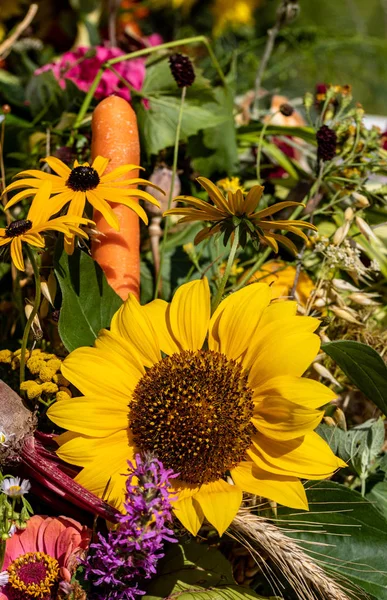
[104,208]
[99,164]
[40,208]
[220,503]
[189,513]
[309,457]
[286,346]
[300,390]
[58,166]
[278,310]
[94,372]
[17,253]
[283,489]
[90,415]
[121,352]
[76,449]
[235,321]
[133,324]
[118,173]
[157,314]
[280,419]
[189,314]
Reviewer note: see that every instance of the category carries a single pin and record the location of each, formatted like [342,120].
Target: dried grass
[307,578]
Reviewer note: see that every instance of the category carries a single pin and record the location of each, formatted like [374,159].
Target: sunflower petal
[280,419]
[299,390]
[99,164]
[189,314]
[236,319]
[308,457]
[189,513]
[157,313]
[283,489]
[133,324]
[90,415]
[93,372]
[278,310]
[220,503]
[98,202]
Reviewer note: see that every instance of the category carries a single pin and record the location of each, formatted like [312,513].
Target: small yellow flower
[29,230]
[238,210]
[63,395]
[33,389]
[84,183]
[230,184]
[5,356]
[49,388]
[34,364]
[233,13]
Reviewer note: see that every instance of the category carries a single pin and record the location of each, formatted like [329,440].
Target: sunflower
[238,210]
[220,400]
[85,183]
[29,230]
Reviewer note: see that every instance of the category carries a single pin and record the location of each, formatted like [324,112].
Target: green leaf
[343,530]
[364,367]
[11,88]
[275,153]
[378,497]
[158,123]
[193,571]
[88,301]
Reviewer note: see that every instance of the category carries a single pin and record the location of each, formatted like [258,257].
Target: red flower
[38,558]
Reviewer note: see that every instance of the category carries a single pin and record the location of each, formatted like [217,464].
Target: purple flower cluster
[130,553]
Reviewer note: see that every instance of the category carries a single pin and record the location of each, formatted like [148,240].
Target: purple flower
[82,65]
[128,554]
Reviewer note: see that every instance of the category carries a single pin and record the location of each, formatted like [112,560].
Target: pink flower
[82,65]
[42,556]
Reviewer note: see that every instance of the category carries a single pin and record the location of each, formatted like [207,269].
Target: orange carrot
[115,136]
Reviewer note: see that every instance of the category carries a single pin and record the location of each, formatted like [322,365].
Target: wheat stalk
[307,578]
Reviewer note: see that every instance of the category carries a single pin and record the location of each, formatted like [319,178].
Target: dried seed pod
[363,299]
[366,229]
[16,424]
[346,314]
[361,201]
[349,214]
[36,327]
[344,286]
[323,372]
[49,288]
[341,233]
[339,418]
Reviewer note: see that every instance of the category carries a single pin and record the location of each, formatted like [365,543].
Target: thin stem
[173,177]
[226,275]
[260,143]
[257,265]
[137,54]
[34,311]
[271,37]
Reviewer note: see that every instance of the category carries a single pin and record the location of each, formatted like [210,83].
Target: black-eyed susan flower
[220,400]
[38,221]
[85,183]
[237,210]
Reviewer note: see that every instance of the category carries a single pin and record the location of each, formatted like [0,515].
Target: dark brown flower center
[82,179]
[18,228]
[193,411]
[32,575]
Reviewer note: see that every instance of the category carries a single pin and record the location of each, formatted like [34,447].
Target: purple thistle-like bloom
[130,553]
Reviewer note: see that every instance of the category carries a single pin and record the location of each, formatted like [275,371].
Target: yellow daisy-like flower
[233,13]
[38,220]
[224,210]
[220,400]
[85,183]
[281,276]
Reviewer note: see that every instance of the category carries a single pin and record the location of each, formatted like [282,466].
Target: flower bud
[344,286]
[323,372]
[286,109]
[49,288]
[345,314]
[36,328]
[366,229]
[363,299]
[339,418]
[329,421]
[341,233]
[361,201]
[349,214]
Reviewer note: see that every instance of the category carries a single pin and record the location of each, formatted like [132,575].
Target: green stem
[34,311]
[173,177]
[137,54]
[256,266]
[260,143]
[226,275]
[2,553]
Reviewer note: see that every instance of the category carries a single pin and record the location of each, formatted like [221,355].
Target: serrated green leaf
[196,571]
[88,301]
[345,531]
[364,367]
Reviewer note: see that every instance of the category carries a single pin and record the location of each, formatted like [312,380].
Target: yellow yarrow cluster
[44,368]
[230,184]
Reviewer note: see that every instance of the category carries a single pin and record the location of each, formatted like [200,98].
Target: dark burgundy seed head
[182,70]
[18,228]
[82,179]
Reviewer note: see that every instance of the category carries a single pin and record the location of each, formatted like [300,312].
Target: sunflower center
[193,411]
[18,228]
[82,179]
[32,575]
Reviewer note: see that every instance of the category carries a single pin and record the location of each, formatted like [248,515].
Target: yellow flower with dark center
[29,230]
[85,183]
[220,400]
[237,210]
